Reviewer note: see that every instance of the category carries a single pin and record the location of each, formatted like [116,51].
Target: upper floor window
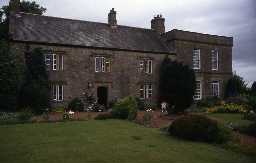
[196,59]
[146,91]
[215,59]
[146,66]
[54,60]
[102,64]
[57,92]
[215,86]
[198,91]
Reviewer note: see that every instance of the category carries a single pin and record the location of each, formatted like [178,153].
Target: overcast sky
[236,18]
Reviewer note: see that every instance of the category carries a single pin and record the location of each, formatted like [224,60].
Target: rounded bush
[125,109]
[198,128]
[76,105]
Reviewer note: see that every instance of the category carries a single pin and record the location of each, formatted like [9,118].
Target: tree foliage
[10,77]
[176,85]
[25,6]
[235,86]
[253,89]
[35,90]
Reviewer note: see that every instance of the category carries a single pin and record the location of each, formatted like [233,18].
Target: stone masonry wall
[79,70]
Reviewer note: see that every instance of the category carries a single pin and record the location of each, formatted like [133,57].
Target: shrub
[235,86]
[228,108]
[125,108]
[252,102]
[240,100]
[25,115]
[103,116]
[249,130]
[35,91]
[250,115]
[198,128]
[176,85]
[8,118]
[76,105]
[209,102]
[59,109]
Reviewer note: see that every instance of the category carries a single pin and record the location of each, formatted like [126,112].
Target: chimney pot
[112,18]
[158,24]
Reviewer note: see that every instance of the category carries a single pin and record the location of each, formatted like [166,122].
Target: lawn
[110,141]
[225,118]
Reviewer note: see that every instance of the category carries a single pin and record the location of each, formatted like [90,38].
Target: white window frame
[214,85]
[215,54]
[198,96]
[149,66]
[54,62]
[56,90]
[141,67]
[60,62]
[198,61]
[48,59]
[103,62]
[147,90]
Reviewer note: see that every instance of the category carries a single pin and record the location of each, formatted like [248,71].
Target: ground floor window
[146,91]
[57,92]
[198,91]
[215,87]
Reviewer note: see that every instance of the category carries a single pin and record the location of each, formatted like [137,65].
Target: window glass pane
[214,59]
[97,64]
[198,91]
[108,65]
[103,64]
[54,92]
[196,59]
[60,87]
[141,66]
[150,66]
[48,59]
[215,88]
[54,64]
[60,62]
[142,92]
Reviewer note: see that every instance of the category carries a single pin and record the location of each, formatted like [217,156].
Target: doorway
[102,95]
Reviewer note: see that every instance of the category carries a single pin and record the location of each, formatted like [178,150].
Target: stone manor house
[111,61]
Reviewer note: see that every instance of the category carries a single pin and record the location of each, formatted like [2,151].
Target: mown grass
[110,141]
[226,118]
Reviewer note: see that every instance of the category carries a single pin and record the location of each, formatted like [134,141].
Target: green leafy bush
[125,109]
[249,130]
[228,108]
[251,116]
[252,102]
[199,128]
[25,115]
[209,102]
[176,85]
[76,105]
[103,116]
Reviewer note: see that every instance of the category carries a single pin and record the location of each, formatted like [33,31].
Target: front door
[102,94]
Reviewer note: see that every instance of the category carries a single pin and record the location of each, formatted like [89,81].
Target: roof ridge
[85,21]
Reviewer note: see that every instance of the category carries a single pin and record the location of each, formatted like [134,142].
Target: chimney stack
[14,6]
[157,24]
[112,18]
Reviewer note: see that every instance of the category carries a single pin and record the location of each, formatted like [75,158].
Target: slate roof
[52,30]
